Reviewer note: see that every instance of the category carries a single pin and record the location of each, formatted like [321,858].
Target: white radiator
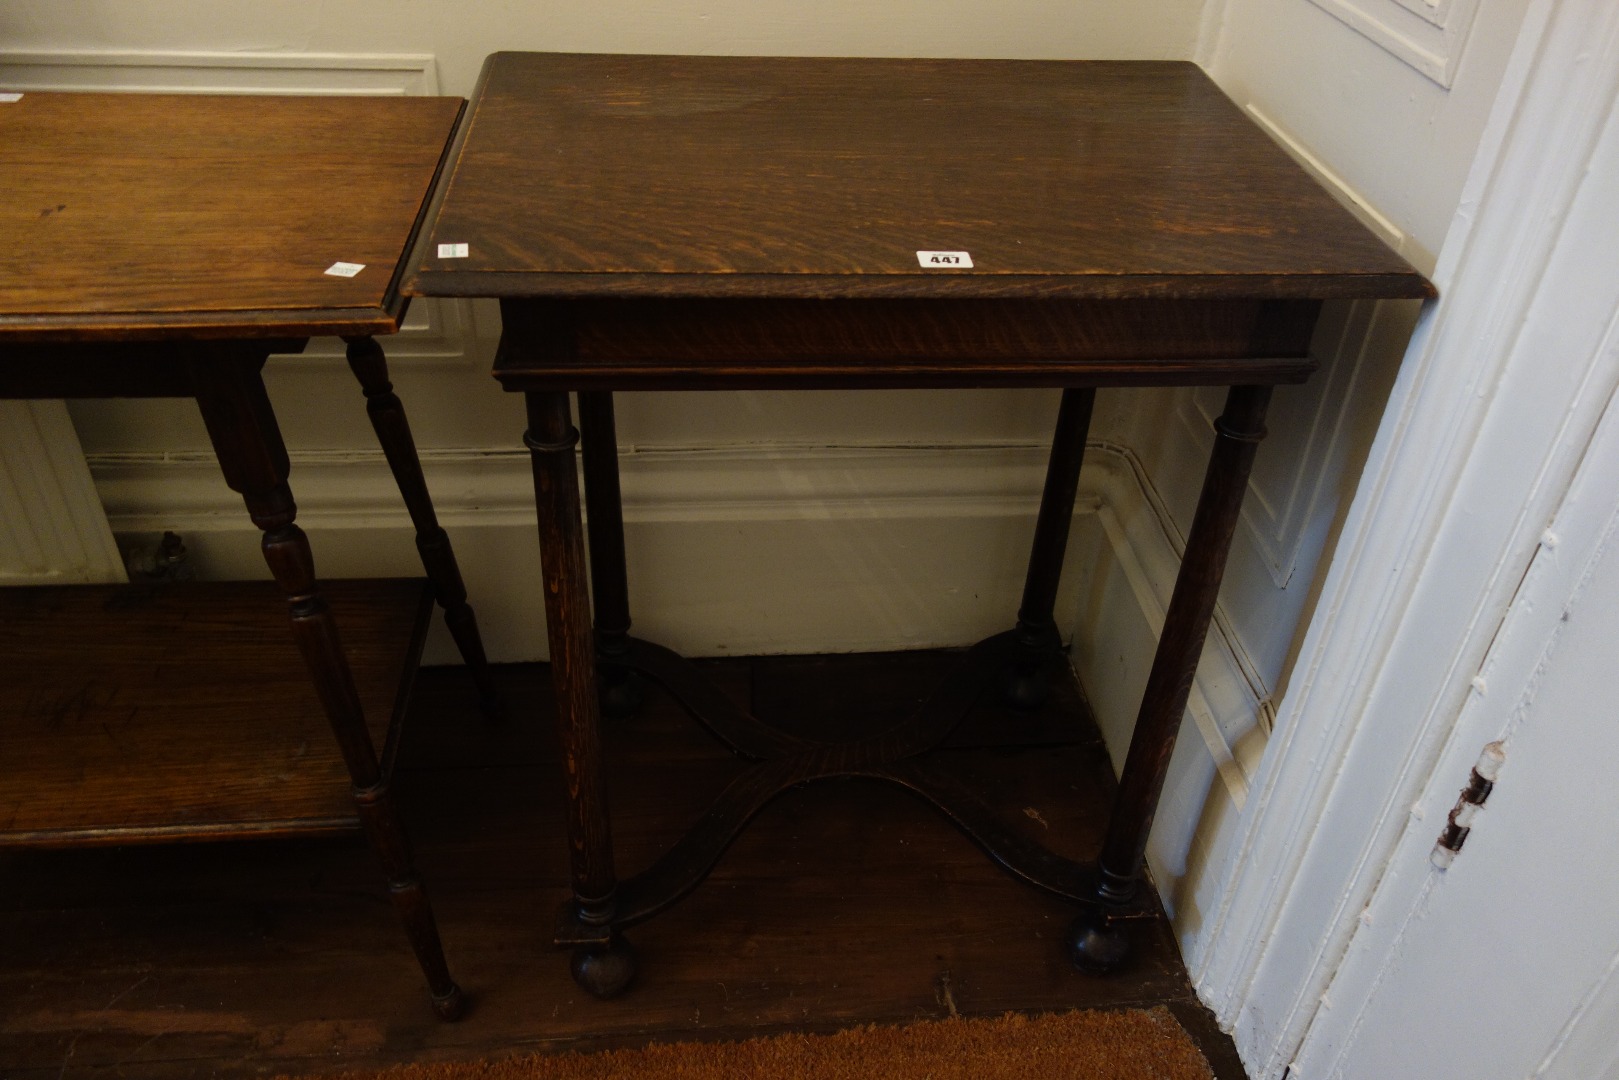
[52,528]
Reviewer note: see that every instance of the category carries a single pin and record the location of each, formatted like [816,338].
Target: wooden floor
[844,902]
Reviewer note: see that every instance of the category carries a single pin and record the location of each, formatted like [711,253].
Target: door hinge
[1479,786]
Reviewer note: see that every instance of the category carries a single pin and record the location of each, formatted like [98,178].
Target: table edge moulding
[702,223]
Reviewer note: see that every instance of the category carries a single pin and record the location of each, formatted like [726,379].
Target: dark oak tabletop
[598,175]
[174,215]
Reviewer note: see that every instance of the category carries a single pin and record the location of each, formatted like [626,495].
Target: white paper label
[7,99]
[342,269]
[944,260]
[452,251]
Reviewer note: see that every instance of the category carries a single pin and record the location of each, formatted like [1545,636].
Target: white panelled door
[1506,965]
[1474,599]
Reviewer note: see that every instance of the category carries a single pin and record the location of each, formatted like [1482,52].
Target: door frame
[1476,450]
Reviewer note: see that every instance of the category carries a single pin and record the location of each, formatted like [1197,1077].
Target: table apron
[616,344]
[122,369]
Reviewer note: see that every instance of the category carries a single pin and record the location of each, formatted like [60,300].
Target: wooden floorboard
[845,902]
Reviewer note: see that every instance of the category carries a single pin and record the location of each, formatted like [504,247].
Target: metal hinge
[1479,786]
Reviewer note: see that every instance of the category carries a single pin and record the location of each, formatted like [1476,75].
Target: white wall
[462,33]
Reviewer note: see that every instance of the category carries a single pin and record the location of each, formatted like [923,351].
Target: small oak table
[711,223]
[166,246]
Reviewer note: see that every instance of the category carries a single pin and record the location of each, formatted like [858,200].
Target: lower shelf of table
[133,714]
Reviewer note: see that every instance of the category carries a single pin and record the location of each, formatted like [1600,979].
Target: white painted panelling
[52,530]
[1586,1048]
[1316,434]
[1428,36]
[221,72]
[1297,472]
[1543,693]
[1399,140]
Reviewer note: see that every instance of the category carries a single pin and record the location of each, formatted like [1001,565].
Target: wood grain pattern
[551,439]
[186,712]
[205,215]
[791,176]
[647,344]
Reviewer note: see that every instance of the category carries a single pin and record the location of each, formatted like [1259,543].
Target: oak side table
[166,246]
[715,223]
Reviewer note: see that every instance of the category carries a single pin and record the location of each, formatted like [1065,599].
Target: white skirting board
[786,549]
[731,551]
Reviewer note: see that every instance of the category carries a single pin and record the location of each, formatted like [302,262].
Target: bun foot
[605,971]
[1025,690]
[1095,944]
[451,1005]
[621,694]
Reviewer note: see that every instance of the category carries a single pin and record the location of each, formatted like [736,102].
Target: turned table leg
[230,393]
[609,582]
[604,968]
[387,414]
[1094,940]
[1036,640]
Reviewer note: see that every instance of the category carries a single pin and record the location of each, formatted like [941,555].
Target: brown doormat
[1128,1044]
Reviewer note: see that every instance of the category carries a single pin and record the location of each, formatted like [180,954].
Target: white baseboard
[750,550]
[352,489]
[243,72]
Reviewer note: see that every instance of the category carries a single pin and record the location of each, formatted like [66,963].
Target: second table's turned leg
[609,581]
[1036,639]
[387,414]
[242,426]
[1095,942]
[605,968]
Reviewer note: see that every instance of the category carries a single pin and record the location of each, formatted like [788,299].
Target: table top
[790,177]
[174,215]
